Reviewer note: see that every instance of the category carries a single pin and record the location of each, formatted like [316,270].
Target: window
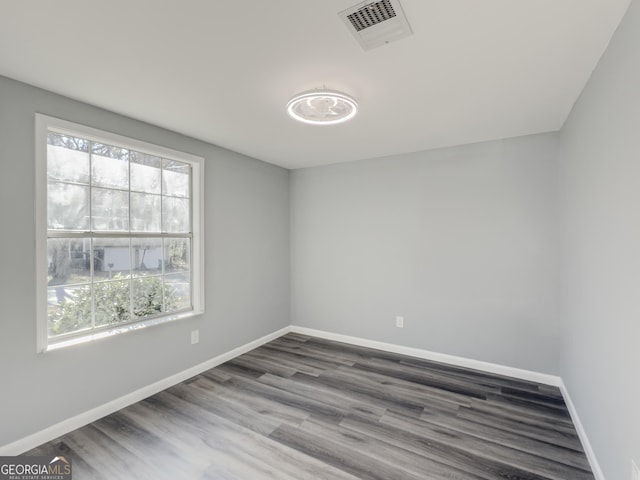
[119,225]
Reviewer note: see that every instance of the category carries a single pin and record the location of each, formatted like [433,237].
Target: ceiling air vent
[371,15]
[376,23]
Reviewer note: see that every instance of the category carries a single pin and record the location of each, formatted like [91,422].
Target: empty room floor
[301,408]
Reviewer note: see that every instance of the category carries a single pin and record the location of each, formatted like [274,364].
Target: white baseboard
[66,426]
[436,357]
[582,434]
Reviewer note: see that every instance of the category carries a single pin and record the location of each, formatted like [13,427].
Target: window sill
[77,340]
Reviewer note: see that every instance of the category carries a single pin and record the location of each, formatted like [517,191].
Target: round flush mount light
[322,107]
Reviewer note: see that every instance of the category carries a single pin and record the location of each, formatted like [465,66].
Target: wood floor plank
[445,453]
[471,376]
[301,355]
[360,456]
[335,399]
[379,399]
[395,377]
[453,439]
[394,390]
[284,360]
[558,435]
[426,377]
[303,408]
[271,409]
[524,413]
[511,440]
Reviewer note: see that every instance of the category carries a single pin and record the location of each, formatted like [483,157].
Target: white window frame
[43,124]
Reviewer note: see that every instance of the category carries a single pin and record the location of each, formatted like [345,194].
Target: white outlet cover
[195,336]
[400,322]
[635,471]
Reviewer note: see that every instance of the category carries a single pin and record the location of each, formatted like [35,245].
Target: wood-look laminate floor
[303,408]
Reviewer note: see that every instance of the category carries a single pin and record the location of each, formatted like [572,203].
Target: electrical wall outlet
[635,471]
[400,322]
[195,336]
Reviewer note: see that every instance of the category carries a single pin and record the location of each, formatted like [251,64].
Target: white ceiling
[223,70]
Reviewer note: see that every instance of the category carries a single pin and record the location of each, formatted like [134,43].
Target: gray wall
[462,242]
[601,287]
[247,273]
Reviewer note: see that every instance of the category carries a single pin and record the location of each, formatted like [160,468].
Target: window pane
[67,207]
[110,209]
[69,309]
[145,172]
[109,166]
[112,302]
[111,258]
[175,215]
[67,158]
[147,296]
[69,261]
[175,178]
[147,256]
[177,254]
[145,212]
[177,288]
[67,141]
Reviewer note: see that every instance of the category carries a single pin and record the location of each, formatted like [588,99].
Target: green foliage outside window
[112,303]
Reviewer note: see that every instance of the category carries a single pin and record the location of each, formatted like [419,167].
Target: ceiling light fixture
[322,107]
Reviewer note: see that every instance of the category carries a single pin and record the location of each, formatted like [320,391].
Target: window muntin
[120,238]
